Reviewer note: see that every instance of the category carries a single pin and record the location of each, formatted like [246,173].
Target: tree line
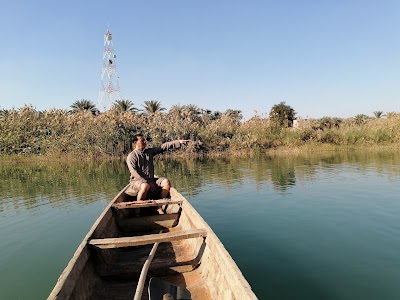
[84,130]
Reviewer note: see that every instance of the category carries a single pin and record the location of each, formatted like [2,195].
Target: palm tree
[84,105]
[360,119]
[391,114]
[124,105]
[337,122]
[192,109]
[185,111]
[325,122]
[378,114]
[192,112]
[176,109]
[206,115]
[152,106]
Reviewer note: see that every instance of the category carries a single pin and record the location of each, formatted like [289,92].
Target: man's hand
[184,141]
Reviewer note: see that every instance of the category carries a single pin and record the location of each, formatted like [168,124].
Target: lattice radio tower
[109,84]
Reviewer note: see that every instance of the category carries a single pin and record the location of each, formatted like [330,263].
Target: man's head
[139,142]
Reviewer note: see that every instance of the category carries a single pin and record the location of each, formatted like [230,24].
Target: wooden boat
[129,244]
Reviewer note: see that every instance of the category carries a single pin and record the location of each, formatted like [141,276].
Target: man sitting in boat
[141,166]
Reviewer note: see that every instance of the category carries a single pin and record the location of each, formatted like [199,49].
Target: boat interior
[130,244]
[113,270]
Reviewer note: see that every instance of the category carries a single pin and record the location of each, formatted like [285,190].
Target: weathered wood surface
[145,203]
[148,223]
[147,239]
[143,274]
[219,268]
[111,269]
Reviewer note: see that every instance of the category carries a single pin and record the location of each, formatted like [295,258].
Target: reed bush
[330,136]
[255,133]
[218,134]
[58,132]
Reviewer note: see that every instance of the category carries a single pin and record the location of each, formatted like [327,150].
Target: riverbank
[187,155]
[56,134]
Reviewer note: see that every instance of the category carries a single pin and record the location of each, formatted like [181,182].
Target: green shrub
[57,132]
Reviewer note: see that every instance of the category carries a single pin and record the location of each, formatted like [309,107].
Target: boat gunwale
[216,244]
[222,256]
[84,244]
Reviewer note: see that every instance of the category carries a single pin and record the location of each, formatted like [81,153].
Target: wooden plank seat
[145,203]
[109,243]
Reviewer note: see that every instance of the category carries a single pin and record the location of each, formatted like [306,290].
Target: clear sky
[324,58]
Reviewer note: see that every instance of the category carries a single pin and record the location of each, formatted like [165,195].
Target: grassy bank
[57,134]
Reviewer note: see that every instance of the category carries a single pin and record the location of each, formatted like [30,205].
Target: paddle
[143,274]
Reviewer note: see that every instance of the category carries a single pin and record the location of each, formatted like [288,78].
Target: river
[315,226]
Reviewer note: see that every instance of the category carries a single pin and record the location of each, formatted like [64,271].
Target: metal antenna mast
[109,84]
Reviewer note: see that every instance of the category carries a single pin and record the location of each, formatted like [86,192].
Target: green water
[312,227]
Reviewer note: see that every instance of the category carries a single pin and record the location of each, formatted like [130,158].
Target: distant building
[299,122]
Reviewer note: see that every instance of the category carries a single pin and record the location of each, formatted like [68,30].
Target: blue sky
[323,58]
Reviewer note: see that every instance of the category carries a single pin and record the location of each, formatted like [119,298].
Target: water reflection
[282,173]
[345,205]
[33,185]
[50,183]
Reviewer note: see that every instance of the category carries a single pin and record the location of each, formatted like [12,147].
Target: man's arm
[184,142]
[170,145]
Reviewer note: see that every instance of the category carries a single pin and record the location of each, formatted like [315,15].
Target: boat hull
[109,261]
